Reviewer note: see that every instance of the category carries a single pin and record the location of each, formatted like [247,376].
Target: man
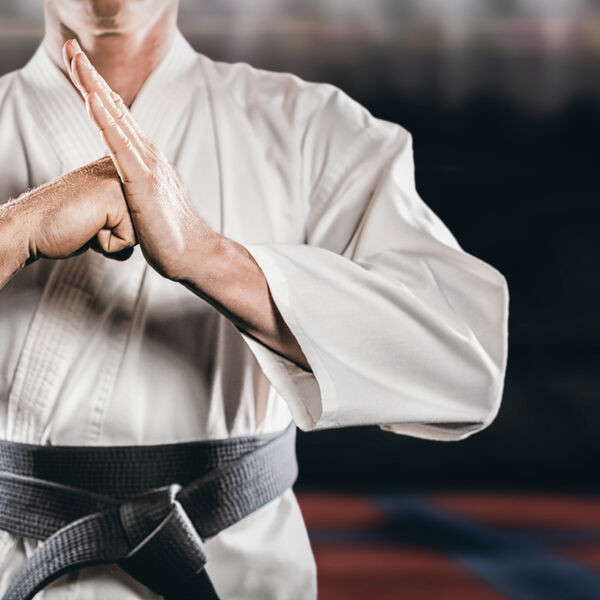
[285,268]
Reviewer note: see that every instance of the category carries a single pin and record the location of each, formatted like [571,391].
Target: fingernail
[76,45]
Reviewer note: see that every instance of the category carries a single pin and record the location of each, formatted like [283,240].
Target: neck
[125,60]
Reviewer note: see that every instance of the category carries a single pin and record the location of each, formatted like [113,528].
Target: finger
[121,255]
[109,242]
[88,80]
[119,106]
[127,160]
[69,50]
[124,231]
[102,244]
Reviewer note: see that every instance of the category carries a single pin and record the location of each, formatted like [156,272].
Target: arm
[226,275]
[401,327]
[14,241]
[82,208]
[175,240]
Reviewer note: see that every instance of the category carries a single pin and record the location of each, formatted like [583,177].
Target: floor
[455,546]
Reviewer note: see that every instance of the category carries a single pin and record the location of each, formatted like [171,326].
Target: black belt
[145,508]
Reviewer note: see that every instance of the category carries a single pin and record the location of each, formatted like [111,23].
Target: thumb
[111,242]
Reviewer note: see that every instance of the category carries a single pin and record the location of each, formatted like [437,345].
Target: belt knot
[166,547]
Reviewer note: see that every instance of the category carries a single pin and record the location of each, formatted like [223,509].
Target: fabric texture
[402,328]
[154,533]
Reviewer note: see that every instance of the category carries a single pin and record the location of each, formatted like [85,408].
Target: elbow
[489,399]
[478,409]
[463,389]
[490,356]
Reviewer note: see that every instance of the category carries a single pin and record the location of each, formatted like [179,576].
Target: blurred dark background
[502,98]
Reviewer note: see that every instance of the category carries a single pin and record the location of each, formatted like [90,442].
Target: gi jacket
[401,327]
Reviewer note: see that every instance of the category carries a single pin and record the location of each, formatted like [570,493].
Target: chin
[107,9]
[109,16]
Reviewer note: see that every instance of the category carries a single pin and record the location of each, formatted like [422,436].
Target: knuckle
[154,151]
[153,164]
[127,143]
[146,170]
[104,163]
[150,160]
[154,179]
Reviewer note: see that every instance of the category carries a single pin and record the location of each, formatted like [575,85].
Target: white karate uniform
[401,327]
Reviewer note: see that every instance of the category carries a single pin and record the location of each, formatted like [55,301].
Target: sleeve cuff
[310,395]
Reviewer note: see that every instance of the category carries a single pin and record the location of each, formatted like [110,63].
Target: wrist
[219,270]
[200,262]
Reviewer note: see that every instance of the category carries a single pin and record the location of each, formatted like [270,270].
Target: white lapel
[74,283]
[60,113]
[61,116]
[165,95]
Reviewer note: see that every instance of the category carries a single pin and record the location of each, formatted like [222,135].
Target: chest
[242,180]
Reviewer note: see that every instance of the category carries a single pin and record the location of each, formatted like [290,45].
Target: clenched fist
[84,208]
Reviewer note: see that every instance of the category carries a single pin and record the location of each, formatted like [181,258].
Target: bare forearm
[63,217]
[226,275]
[14,240]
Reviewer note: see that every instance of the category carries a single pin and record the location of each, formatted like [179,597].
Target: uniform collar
[61,116]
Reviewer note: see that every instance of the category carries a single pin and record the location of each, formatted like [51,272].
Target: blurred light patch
[536,53]
[502,97]
[455,546]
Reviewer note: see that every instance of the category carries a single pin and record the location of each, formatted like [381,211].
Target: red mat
[455,546]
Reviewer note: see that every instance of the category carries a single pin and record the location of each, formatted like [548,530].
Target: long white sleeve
[401,327]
